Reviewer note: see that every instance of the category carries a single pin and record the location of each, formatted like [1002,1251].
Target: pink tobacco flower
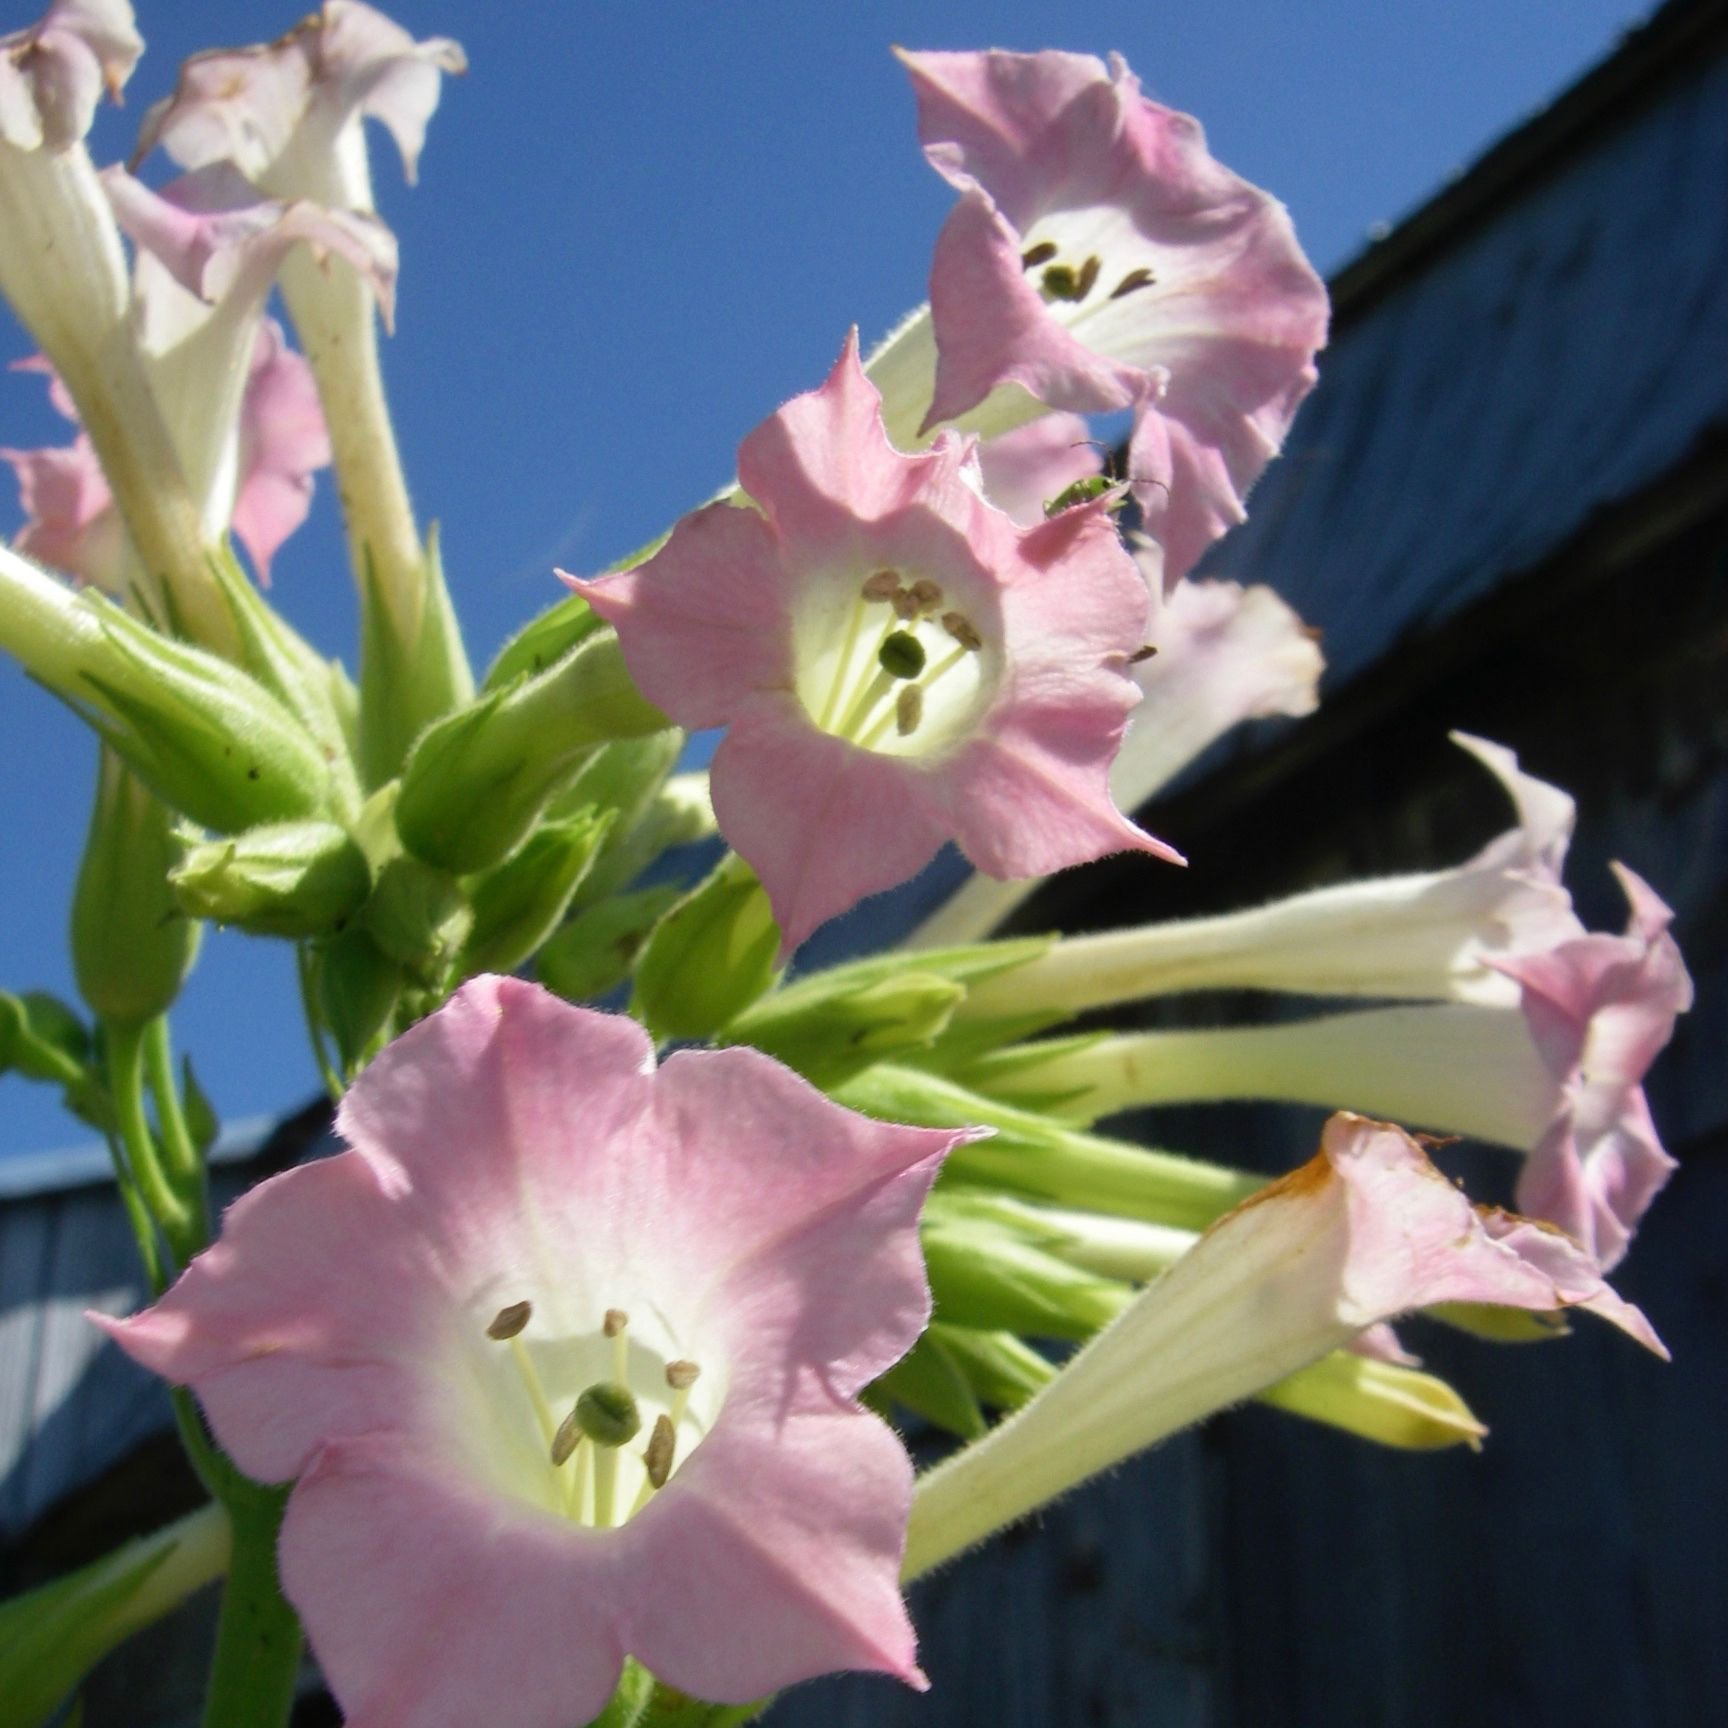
[565,1353]
[897,663]
[1100,259]
[69,517]
[288,113]
[1364,1232]
[1599,1009]
[53,73]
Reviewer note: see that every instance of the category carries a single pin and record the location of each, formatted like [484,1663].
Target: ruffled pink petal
[215,236]
[1028,468]
[706,619]
[822,467]
[283,443]
[431,1604]
[70,519]
[316,1313]
[720,1568]
[253,106]
[1599,1010]
[822,823]
[53,73]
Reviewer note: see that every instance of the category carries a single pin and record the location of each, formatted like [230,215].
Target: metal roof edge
[1675,36]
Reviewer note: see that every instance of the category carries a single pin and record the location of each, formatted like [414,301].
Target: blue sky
[630,244]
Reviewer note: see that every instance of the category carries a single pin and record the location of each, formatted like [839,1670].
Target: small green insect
[1084,491]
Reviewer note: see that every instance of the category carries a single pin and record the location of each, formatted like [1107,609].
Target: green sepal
[930,1383]
[1501,1325]
[519,904]
[208,738]
[1016,1067]
[292,879]
[358,989]
[679,813]
[132,944]
[419,917]
[316,691]
[833,1024]
[478,781]
[42,1039]
[406,687]
[543,641]
[594,953]
[1380,1401]
[1004,1370]
[710,957]
[202,1122]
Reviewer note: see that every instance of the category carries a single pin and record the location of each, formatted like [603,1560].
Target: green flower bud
[1379,1401]
[518,905]
[419,917]
[829,1034]
[594,952]
[678,814]
[292,879]
[210,740]
[543,641]
[709,958]
[477,782]
[132,945]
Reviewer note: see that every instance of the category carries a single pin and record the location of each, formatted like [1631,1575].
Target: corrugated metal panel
[1564,355]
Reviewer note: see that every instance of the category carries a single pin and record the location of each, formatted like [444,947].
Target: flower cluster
[564,1391]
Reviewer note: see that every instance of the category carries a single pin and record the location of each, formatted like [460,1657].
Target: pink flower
[1599,1009]
[54,73]
[897,662]
[538,1247]
[288,113]
[1100,259]
[1364,1232]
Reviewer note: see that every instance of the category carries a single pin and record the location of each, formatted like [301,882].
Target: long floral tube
[1366,1231]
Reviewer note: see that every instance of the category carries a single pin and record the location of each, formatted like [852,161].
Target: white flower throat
[615,1442]
[898,668]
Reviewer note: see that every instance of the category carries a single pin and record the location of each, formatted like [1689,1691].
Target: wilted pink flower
[288,113]
[69,517]
[673,1283]
[1099,258]
[53,73]
[1364,1232]
[1599,1010]
[897,662]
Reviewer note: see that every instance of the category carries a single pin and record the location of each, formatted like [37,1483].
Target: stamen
[926,595]
[905,605]
[901,655]
[566,1440]
[1088,276]
[507,1322]
[883,585]
[1141,278]
[615,1326]
[681,1376]
[963,630]
[662,1448]
[908,710]
[1140,654]
[1042,253]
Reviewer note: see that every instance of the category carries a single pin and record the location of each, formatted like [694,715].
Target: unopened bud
[293,879]
[509,1322]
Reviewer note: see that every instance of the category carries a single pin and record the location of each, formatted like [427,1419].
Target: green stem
[138,1216]
[123,1046]
[186,1169]
[258,1636]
